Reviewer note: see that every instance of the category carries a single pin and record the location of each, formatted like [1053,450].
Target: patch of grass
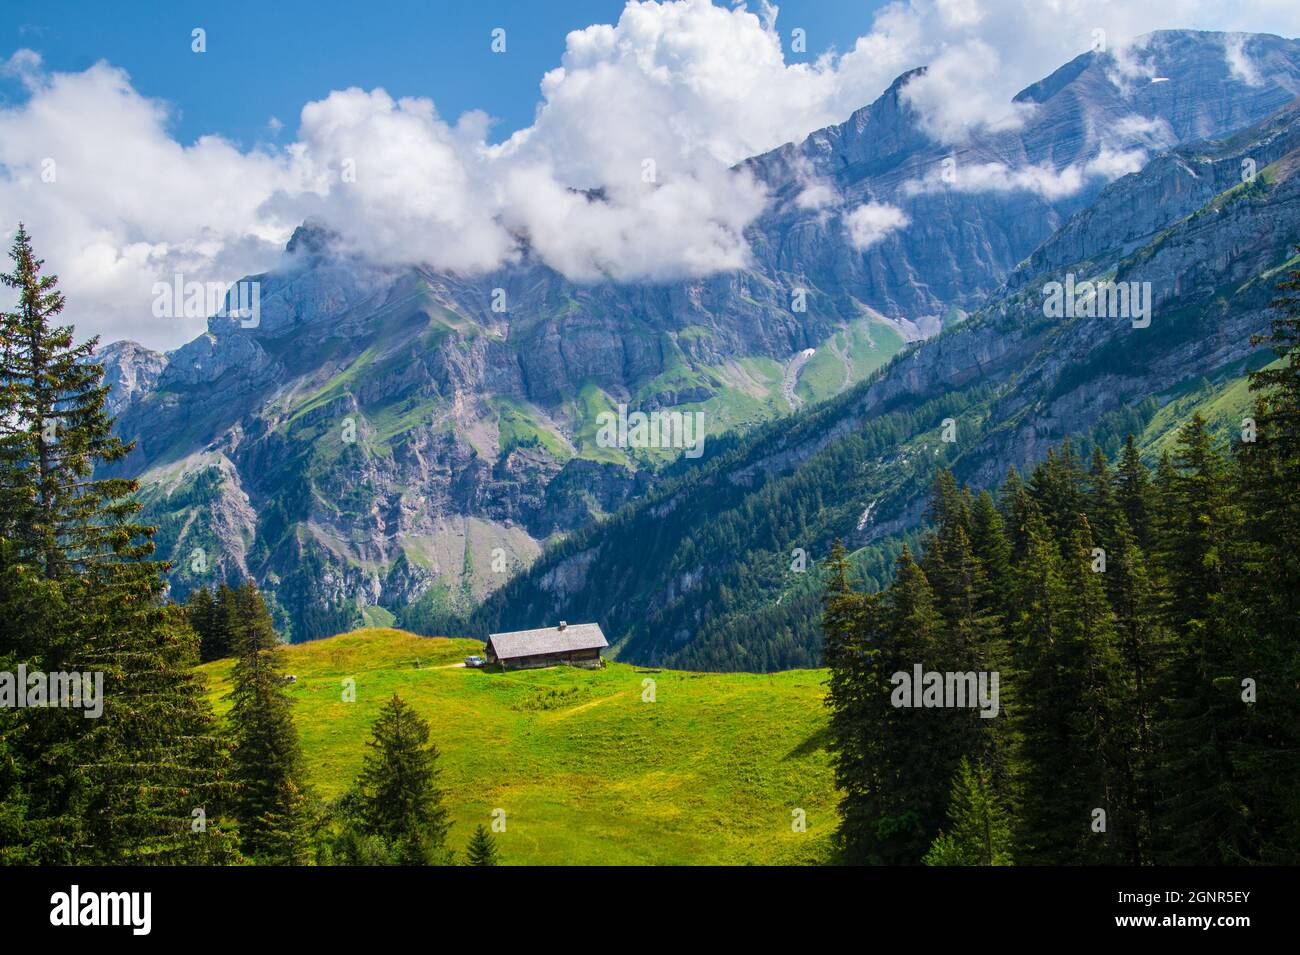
[519,427]
[586,772]
[867,344]
[376,616]
[587,407]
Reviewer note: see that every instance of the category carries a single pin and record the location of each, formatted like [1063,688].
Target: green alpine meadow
[621,766]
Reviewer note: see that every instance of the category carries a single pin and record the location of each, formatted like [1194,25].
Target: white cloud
[871,222]
[1239,61]
[687,86]
[114,203]
[1041,179]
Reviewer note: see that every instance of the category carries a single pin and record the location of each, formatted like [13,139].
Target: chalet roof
[528,643]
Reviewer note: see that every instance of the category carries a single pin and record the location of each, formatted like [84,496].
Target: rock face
[411,440]
[130,370]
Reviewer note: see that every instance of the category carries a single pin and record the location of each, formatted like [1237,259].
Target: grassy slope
[1222,402]
[586,772]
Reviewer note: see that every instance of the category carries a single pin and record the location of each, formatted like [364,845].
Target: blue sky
[267,59]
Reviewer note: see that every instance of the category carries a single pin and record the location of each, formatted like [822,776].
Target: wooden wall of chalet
[577,658]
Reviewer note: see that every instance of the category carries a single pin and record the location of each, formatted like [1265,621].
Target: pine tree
[401,801]
[154,764]
[223,632]
[917,749]
[993,549]
[979,828]
[269,802]
[1278,388]
[1133,495]
[1135,602]
[1261,601]
[482,848]
[1099,499]
[1057,485]
[56,433]
[1044,758]
[126,787]
[1204,819]
[851,652]
[971,639]
[1096,694]
[201,609]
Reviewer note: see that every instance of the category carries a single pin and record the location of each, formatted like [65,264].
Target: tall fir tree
[1133,495]
[917,749]
[1044,759]
[269,801]
[1142,646]
[851,656]
[1096,694]
[1262,598]
[128,786]
[979,828]
[1205,820]
[482,848]
[401,801]
[1057,484]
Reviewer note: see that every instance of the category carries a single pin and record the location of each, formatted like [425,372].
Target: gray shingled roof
[528,643]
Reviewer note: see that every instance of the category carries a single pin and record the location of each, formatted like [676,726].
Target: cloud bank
[624,174]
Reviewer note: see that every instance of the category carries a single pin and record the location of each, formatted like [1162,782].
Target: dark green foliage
[143,782]
[269,803]
[215,618]
[482,848]
[979,830]
[1145,631]
[398,798]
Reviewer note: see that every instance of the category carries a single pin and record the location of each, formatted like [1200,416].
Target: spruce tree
[971,639]
[482,848]
[979,828]
[1046,831]
[993,549]
[269,800]
[1096,694]
[1057,485]
[1262,594]
[851,653]
[200,608]
[917,749]
[56,433]
[1204,819]
[1142,647]
[1099,499]
[133,785]
[1133,495]
[400,799]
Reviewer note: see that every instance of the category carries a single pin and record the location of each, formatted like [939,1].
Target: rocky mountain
[388,441]
[715,568]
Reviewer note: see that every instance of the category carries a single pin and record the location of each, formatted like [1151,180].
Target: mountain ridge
[473,431]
